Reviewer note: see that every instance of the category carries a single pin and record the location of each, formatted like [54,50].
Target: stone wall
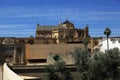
[68,58]
[46,51]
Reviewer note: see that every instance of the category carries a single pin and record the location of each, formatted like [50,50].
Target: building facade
[114,42]
[62,32]
[12,52]
[49,40]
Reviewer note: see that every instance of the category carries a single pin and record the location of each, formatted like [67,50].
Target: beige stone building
[49,40]
[63,32]
[31,51]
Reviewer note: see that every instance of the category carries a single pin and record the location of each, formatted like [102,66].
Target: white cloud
[16,12]
[51,13]
[14,25]
[16,33]
[108,13]
[16,30]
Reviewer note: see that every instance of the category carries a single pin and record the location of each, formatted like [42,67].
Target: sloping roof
[43,50]
[67,22]
[45,28]
[61,26]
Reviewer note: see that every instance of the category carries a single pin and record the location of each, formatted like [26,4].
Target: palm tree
[86,42]
[107,32]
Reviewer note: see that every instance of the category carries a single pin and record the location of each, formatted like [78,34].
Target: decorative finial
[38,24]
[66,18]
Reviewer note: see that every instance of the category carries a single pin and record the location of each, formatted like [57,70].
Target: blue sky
[18,18]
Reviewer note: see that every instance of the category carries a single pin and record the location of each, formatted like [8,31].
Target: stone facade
[25,51]
[43,54]
[12,52]
[50,40]
[64,31]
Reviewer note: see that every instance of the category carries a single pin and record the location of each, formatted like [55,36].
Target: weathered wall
[68,58]
[46,51]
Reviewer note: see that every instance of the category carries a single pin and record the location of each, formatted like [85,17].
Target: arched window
[8,41]
[31,41]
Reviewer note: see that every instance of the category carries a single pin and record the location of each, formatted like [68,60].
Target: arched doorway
[19,55]
[12,52]
[7,50]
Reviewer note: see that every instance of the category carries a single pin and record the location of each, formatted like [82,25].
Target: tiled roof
[45,28]
[61,26]
[67,22]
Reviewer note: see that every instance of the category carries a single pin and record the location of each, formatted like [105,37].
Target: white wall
[112,44]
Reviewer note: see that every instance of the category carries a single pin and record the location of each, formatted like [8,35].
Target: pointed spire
[87,25]
[38,24]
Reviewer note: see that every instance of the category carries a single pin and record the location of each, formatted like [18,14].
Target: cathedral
[61,39]
[65,32]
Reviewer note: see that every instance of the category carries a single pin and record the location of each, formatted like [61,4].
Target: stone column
[14,56]
[22,52]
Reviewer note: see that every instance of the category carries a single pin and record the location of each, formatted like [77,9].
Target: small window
[31,41]
[38,60]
